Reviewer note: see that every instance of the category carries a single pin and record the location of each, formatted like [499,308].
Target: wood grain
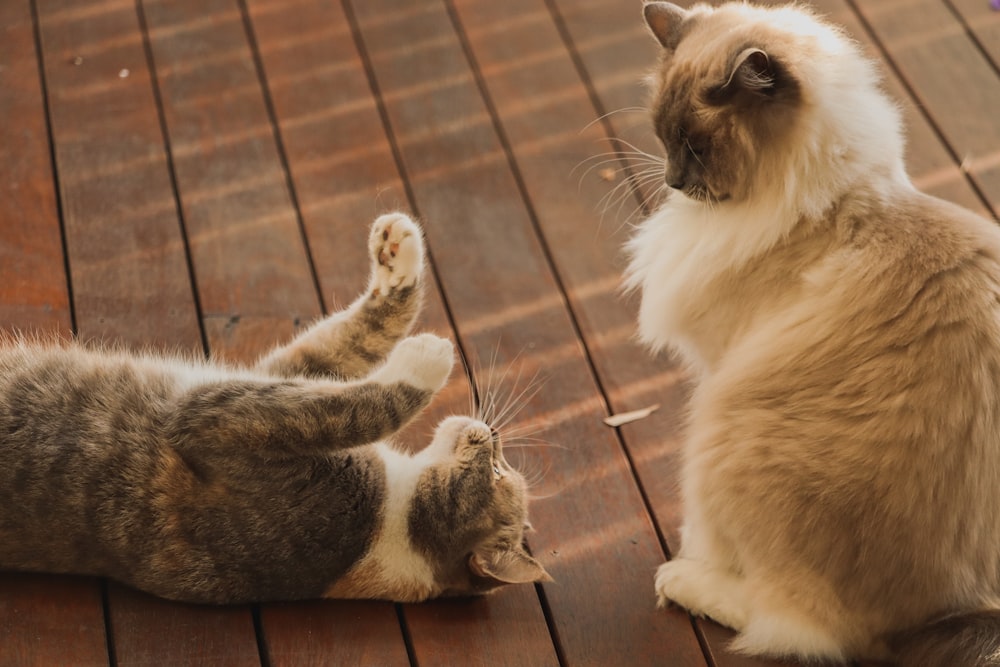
[952,78]
[33,287]
[304,634]
[124,244]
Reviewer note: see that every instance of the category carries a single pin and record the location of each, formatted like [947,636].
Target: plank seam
[258,626]
[915,98]
[109,635]
[603,115]
[43,83]
[279,143]
[397,156]
[994,65]
[154,82]
[404,629]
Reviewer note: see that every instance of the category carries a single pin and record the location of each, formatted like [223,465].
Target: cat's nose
[675,176]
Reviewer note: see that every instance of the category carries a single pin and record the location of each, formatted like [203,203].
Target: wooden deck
[200,174]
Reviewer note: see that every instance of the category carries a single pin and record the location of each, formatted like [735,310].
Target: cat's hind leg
[791,623]
[352,342]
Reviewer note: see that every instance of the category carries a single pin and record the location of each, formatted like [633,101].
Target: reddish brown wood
[984,22]
[33,289]
[125,249]
[951,77]
[481,632]
[152,631]
[246,247]
[333,633]
[50,620]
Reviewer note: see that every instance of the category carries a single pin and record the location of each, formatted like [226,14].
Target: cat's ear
[507,566]
[664,20]
[756,72]
[753,71]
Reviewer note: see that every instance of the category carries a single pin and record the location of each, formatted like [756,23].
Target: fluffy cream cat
[842,462]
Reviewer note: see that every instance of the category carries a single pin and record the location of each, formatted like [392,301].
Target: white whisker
[611,113]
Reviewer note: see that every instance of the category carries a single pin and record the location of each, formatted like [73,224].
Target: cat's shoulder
[921,226]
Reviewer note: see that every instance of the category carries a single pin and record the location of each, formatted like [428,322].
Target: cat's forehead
[710,37]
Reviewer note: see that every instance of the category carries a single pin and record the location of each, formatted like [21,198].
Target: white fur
[402,567]
[423,361]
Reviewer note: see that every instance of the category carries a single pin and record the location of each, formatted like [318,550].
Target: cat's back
[56,394]
[871,405]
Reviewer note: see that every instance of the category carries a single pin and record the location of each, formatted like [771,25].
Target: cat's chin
[705,196]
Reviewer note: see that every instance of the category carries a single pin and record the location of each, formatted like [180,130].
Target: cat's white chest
[678,255]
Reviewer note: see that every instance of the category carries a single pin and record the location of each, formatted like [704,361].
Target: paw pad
[397,249]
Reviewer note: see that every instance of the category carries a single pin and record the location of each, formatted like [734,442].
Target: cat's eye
[496,472]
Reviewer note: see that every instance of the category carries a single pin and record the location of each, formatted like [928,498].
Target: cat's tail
[969,639]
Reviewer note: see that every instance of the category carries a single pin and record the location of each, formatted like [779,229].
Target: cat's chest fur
[698,267]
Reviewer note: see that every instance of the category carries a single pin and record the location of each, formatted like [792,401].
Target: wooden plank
[33,288]
[43,619]
[152,631]
[928,161]
[127,256]
[50,620]
[951,77]
[126,253]
[326,632]
[498,284]
[984,23]
[231,181]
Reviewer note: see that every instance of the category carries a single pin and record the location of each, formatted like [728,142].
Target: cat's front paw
[702,590]
[396,246]
[422,361]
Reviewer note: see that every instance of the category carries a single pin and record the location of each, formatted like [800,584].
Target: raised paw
[397,250]
[702,590]
[422,361]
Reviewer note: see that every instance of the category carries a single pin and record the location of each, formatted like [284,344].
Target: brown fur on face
[476,540]
[724,99]
[453,523]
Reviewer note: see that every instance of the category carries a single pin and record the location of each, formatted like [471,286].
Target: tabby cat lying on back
[841,468]
[207,483]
